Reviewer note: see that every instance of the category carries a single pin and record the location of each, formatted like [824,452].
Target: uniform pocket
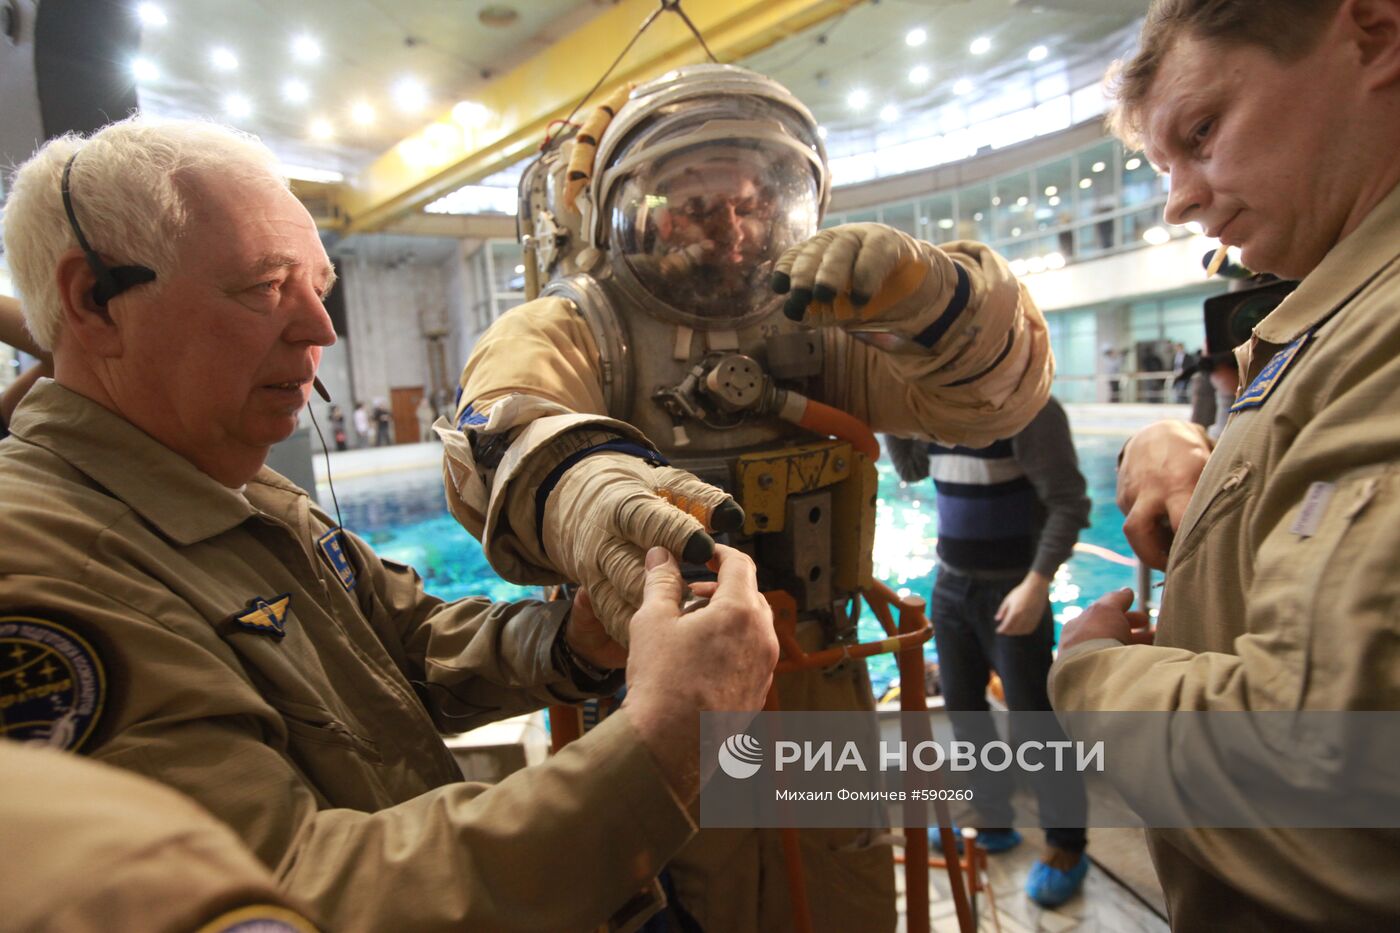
[317,725]
[1232,493]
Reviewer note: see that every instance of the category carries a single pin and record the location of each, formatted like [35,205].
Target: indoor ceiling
[452,47]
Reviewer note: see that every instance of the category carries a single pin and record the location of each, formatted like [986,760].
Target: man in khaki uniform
[170,606]
[705,198]
[1279,124]
[85,848]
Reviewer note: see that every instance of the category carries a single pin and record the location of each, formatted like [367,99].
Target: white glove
[609,508]
[856,275]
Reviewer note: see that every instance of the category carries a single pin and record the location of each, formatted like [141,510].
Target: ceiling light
[1051,191]
[296,92]
[977,216]
[889,113]
[520,269]
[1086,182]
[362,113]
[1156,235]
[962,87]
[321,129]
[151,15]
[306,49]
[996,200]
[1097,167]
[1133,164]
[223,60]
[945,223]
[1054,200]
[1015,231]
[238,106]
[918,74]
[306,173]
[980,46]
[857,99]
[1038,53]
[410,95]
[470,114]
[144,69]
[821,131]
[1195,227]
[1054,260]
[1022,201]
[915,37]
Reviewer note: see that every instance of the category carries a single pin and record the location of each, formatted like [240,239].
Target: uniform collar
[1343,271]
[170,492]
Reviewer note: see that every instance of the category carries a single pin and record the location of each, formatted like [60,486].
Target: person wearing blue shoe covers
[1008,516]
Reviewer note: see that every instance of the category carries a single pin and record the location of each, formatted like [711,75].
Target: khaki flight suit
[85,848]
[318,745]
[1264,611]
[984,379]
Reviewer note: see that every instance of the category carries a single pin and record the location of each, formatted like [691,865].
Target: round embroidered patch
[52,686]
[262,918]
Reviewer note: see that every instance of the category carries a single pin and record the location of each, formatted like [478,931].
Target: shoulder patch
[332,545]
[1271,375]
[259,918]
[52,685]
[266,616]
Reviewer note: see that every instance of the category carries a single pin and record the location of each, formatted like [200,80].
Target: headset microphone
[320,388]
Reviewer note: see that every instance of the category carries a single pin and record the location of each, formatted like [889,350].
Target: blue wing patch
[52,685]
[1270,376]
[470,418]
[332,545]
[266,616]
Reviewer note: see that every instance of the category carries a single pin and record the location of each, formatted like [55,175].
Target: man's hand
[609,508]
[1161,466]
[1023,608]
[1109,617]
[858,274]
[715,656]
[588,639]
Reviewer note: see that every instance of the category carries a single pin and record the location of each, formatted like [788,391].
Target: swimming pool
[404,516]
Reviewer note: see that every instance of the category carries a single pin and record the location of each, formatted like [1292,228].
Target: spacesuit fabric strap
[935,331]
[618,446]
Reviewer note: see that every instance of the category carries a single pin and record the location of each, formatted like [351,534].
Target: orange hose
[823,419]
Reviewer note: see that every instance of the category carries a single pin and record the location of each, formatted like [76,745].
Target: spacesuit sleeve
[532,394]
[985,376]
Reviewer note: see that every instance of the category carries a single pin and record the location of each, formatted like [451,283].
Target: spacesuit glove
[856,275]
[609,508]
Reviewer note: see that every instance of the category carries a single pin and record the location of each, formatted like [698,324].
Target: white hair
[130,187]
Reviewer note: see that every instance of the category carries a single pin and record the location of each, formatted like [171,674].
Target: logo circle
[740,756]
[52,685]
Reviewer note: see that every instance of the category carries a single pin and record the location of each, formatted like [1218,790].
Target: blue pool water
[404,516]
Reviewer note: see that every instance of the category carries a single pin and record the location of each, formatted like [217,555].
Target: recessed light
[977,216]
[1054,201]
[1097,167]
[410,95]
[821,131]
[223,59]
[470,114]
[918,74]
[1038,53]
[996,200]
[858,99]
[1086,182]
[1015,231]
[1022,201]
[962,87]
[362,113]
[238,106]
[306,49]
[1051,191]
[1133,164]
[1156,235]
[915,37]
[295,91]
[945,223]
[151,15]
[520,269]
[144,69]
[980,46]
[322,129]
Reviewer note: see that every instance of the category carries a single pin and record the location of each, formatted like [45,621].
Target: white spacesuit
[668,344]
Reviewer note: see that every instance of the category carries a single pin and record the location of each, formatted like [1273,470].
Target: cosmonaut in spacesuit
[661,377]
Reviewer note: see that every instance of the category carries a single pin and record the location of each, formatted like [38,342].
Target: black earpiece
[110,282]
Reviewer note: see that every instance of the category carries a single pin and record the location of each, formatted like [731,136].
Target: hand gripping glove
[609,508]
[869,277]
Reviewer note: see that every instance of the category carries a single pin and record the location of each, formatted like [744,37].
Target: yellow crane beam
[509,117]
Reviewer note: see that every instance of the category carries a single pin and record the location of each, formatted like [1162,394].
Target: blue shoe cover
[1050,887]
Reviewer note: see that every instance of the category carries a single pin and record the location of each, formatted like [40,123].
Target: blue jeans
[963,611]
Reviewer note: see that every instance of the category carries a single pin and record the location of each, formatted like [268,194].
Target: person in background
[1008,517]
[426,416]
[14,333]
[1112,367]
[362,427]
[383,424]
[338,427]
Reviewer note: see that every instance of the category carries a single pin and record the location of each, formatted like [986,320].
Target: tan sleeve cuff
[1063,692]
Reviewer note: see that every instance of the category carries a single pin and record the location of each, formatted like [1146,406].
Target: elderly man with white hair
[170,606]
